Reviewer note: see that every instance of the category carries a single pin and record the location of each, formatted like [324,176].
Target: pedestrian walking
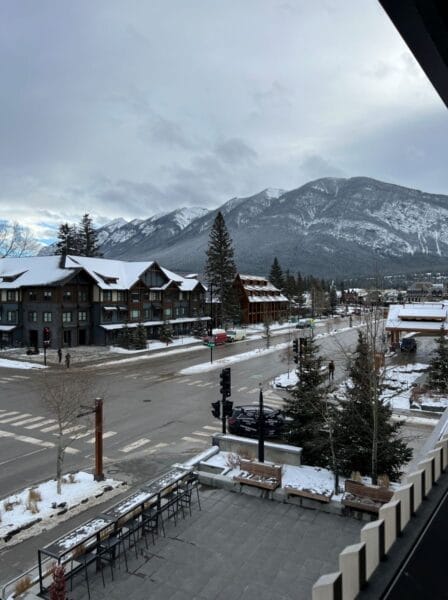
[331,371]
[59,355]
[67,360]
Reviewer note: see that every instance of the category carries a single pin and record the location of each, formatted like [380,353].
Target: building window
[107,295]
[32,316]
[167,312]
[11,316]
[82,296]
[121,296]
[135,314]
[67,317]
[146,314]
[32,296]
[181,296]
[107,315]
[47,294]
[47,317]
[10,294]
[135,297]
[67,295]
[154,295]
[82,315]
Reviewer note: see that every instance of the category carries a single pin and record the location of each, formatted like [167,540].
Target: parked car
[408,345]
[244,421]
[303,323]
[216,338]
[235,335]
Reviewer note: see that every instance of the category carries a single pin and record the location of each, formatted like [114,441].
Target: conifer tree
[140,337]
[68,242]
[276,275]
[305,407]
[364,422]
[88,237]
[220,268]
[438,366]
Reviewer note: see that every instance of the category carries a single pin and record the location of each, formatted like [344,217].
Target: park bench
[268,477]
[365,497]
[303,493]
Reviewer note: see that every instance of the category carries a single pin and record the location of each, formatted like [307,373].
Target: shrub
[233,460]
[34,496]
[22,585]
[9,504]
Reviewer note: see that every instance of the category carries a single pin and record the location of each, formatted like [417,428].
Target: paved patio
[237,547]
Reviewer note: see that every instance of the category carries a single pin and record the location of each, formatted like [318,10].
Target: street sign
[211,344]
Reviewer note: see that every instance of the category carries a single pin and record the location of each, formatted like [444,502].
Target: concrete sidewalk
[236,547]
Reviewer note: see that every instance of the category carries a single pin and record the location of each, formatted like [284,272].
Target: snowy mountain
[329,227]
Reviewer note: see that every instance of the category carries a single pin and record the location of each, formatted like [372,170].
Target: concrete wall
[248,448]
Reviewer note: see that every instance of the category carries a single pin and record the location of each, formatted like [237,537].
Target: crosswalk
[13,379]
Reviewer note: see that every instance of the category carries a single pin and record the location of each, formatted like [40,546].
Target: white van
[236,335]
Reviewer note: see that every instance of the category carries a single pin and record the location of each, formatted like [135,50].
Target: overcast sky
[126,109]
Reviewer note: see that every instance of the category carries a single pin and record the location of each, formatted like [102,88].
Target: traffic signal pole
[99,475]
[223,399]
[261,427]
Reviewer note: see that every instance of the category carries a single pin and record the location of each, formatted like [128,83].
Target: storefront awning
[7,327]
[109,308]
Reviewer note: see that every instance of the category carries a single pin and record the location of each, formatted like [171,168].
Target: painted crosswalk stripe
[7,379]
[135,445]
[79,436]
[195,382]
[72,429]
[26,439]
[40,424]
[156,448]
[212,428]
[241,389]
[183,380]
[20,377]
[51,428]
[254,391]
[10,413]
[16,418]
[107,434]
[72,451]
[195,440]
[203,433]
[27,421]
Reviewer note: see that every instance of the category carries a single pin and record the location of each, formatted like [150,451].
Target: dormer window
[107,278]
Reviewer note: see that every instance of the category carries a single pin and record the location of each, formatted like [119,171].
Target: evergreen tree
[355,428]
[276,275]
[125,337]
[333,299]
[220,268]
[306,408]
[140,337]
[166,333]
[290,286]
[438,366]
[88,237]
[68,242]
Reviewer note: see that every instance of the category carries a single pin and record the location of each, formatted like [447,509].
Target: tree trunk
[59,465]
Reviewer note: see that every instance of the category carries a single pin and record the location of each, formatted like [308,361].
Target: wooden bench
[303,493]
[365,497]
[268,477]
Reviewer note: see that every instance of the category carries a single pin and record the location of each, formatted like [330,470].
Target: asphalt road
[153,415]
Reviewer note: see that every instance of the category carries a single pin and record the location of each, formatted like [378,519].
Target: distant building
[75,300]
[259,300]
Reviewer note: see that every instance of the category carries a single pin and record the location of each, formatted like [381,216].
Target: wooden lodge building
[260,300]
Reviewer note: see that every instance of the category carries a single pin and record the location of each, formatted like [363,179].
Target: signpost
[211,345]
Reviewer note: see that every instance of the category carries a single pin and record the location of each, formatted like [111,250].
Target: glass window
[181,296]
[135,314]
[67,295]
[48,317]
[32,296]
[167,312]
[154,295]
[107,295]
[82,315]
[107,315]
[82,295]
[47,294]
[32,316]
[66,317]
[11,295]
[11,316]
[121,297]
[146,314]
[135,296]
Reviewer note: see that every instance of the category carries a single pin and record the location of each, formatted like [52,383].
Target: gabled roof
[110,274]
[33,270]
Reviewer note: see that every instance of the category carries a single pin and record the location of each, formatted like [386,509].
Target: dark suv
[244,421]
[408,345]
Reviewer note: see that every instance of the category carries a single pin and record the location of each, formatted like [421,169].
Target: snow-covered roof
[110,274]
[428,316]
[268,298]
[262,288]
[252,277]
[33,270]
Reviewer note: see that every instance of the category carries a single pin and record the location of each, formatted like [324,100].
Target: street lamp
[261,427]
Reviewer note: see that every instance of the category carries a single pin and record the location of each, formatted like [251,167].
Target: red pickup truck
[216,338]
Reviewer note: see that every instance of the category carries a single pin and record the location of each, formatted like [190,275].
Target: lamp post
[46,344]
[261,427]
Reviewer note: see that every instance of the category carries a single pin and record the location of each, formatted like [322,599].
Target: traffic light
[46,334]
[303,343]
[216,411]
[295,346]
[225,382]
[227,408]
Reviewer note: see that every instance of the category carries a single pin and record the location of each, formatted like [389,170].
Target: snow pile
[18,513]
[285,380]
[398,383]
[17,364]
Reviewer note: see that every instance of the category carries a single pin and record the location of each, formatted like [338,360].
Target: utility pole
[226,391]
[99,475]
[261,427]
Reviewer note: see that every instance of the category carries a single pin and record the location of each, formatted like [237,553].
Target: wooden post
[99,475]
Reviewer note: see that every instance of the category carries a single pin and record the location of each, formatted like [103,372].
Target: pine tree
[355,428]
[88,237]
[276,275]
[125,339]
[220,268]
[140,337]
[438,366]
[333,299]
[68,241]
[306,408]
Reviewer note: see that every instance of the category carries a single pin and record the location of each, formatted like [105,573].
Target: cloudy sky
[126,109]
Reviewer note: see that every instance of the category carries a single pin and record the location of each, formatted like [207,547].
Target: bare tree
[16,240]
[66,394]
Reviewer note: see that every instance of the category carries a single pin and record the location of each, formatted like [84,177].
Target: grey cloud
[314,166]
[169,133]
[234,151]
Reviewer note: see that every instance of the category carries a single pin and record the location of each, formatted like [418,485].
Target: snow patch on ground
[16,364]
[285,380]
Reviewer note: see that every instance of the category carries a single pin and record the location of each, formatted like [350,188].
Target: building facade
[74,300]
[260,300]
